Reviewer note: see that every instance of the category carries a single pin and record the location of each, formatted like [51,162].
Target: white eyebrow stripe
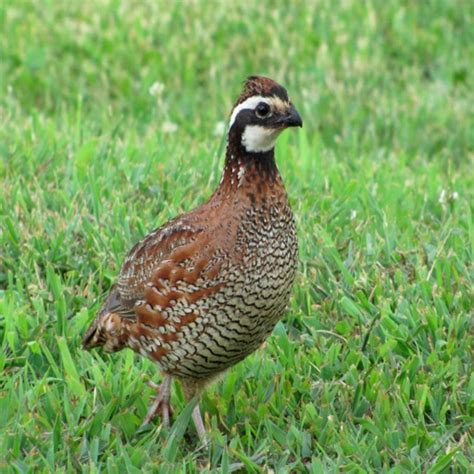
[249,103]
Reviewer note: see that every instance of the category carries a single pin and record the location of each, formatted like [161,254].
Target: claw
[153,385]
[161,403]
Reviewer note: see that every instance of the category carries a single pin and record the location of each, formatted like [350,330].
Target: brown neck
[243,169]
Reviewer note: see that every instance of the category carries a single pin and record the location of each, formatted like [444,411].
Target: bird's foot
[161,403]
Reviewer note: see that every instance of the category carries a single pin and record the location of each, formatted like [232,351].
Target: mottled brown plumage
[203,291]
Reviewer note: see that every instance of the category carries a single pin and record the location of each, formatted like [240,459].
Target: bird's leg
[161,404]
[193,389]
[198,423]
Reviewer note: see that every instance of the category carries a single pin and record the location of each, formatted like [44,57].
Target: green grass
[371,370]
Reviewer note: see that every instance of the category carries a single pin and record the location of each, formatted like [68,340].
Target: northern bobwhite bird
[204,291]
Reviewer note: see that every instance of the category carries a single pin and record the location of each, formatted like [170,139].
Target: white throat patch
[258,139]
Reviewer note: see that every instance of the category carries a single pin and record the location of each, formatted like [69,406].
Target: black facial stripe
[247,117]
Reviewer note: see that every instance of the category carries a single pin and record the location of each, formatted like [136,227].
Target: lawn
[111,122]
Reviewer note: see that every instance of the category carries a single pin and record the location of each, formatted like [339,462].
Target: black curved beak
[291,118]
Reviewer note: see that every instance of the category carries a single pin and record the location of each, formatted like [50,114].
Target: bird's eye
[262,110]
